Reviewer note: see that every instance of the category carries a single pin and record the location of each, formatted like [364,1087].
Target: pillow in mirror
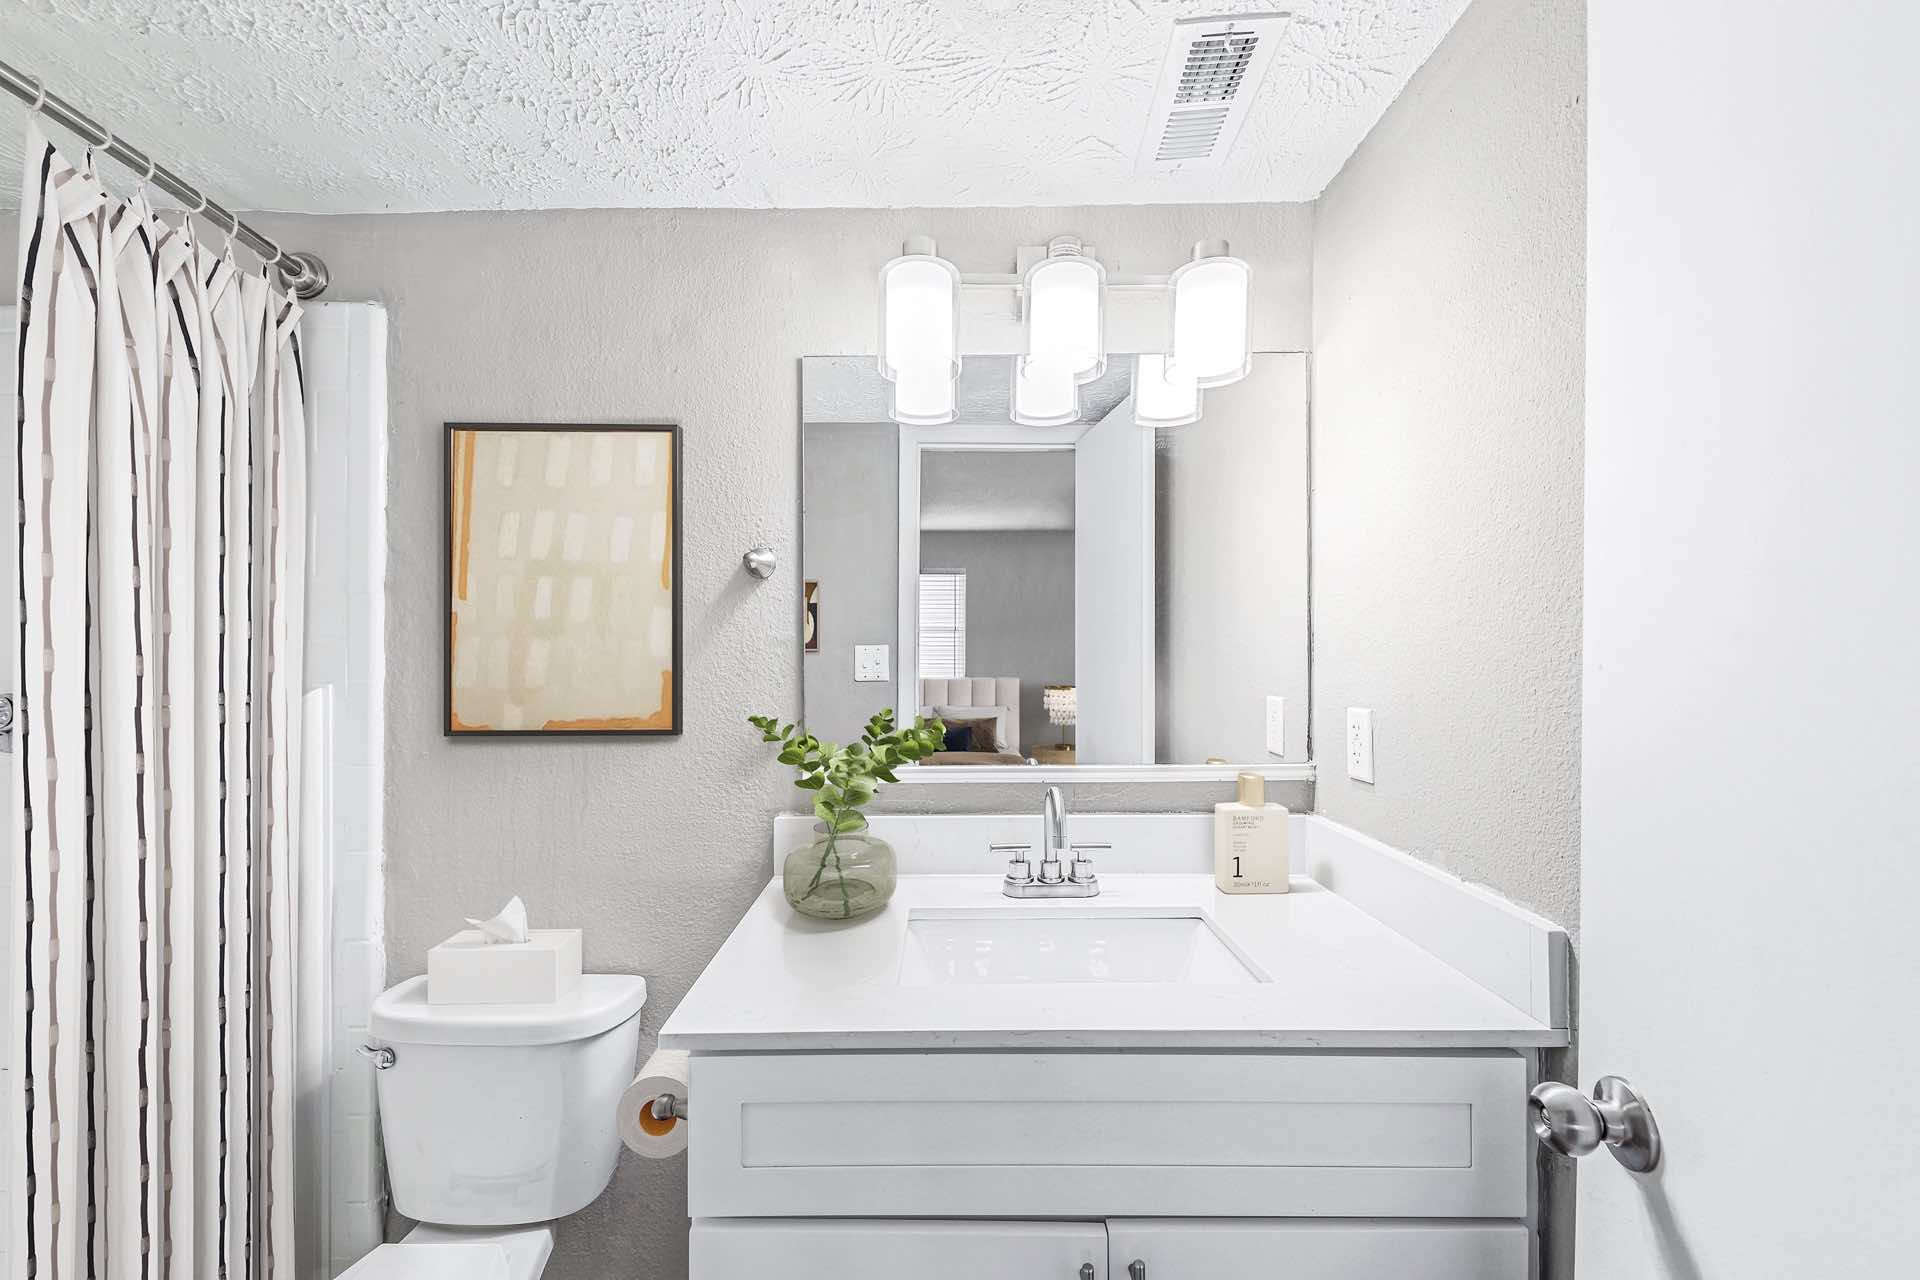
[971,732]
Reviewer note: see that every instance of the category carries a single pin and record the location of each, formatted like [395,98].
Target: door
[1113,644]
[879,1249]
[1330,1249]
[1750,861]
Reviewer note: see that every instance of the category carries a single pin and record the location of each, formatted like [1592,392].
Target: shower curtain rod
[301,273]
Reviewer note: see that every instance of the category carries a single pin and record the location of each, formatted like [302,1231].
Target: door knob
[1572,1124]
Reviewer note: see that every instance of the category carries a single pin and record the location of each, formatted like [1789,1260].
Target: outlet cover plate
[870,663]
[1276,726]
[1360,744]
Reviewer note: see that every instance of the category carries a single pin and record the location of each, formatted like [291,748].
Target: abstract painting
[810,622]
[563,580]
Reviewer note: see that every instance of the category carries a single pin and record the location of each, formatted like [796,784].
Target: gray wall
[1231,571]
[1449,290]
[656,847]
[852,534]
[1019,612]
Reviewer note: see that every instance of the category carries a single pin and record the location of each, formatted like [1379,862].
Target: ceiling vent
[1208,82]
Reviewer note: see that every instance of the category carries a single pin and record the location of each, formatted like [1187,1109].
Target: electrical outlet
[1360,744]
[1276,726]
[870,663]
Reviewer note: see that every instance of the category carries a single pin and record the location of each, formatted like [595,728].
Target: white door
[1750,861]
[1328,1249]
[1113,591]
[879,1249]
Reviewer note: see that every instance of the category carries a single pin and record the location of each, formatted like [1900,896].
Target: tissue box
[467,969]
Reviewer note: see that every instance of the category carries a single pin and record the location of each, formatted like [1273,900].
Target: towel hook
[760,562]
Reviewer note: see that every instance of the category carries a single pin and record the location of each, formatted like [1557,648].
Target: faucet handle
[1082,871]
[1018,869]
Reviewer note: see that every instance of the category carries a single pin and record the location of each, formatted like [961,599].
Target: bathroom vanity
[1158,1081]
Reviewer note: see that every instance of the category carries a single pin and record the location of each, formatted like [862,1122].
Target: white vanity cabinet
[1353,1108]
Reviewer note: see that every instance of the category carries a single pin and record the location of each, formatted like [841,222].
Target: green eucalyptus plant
[843,779]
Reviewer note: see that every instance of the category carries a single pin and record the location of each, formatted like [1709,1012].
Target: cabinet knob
[1136,1270]
[1086,1271]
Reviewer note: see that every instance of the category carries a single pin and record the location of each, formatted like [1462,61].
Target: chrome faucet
[1053,835]
[1076,880]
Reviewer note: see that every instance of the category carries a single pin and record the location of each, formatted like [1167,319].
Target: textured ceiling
[334,106]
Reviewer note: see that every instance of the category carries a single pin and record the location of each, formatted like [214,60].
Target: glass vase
[839,875]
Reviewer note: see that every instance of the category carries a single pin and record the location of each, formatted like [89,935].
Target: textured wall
[656,847]
[1448,287]
[1448,297]
[366,106]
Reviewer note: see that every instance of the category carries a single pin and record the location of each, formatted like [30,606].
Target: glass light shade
[1211,296]
[1062,703]
[1066,314]
[923,396]
[919,315]
[1044,395]
[1162,398]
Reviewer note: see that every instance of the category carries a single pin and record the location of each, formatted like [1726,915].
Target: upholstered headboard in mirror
[1000,694]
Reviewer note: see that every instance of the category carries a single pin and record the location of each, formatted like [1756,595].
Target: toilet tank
[496,1115]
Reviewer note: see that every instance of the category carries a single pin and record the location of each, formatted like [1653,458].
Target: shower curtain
[162,553]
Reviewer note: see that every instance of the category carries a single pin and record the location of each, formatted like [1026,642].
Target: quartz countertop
[1337,978]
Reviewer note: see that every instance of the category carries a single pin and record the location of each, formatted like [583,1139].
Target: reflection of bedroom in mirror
[1099,593]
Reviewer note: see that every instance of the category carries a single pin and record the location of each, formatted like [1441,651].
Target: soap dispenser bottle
[1250,841]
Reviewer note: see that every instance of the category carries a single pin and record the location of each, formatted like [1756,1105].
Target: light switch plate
[1360,744]
[870,663]
[1276,726]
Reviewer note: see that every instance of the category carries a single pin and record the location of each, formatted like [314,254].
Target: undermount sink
[999,947]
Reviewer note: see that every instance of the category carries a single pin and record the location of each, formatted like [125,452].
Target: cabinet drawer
[1336,1249]
[1109,1134]
[865,1250]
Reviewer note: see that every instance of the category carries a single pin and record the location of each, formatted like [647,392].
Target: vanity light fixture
[1044,395]
[1211,299]
[920,333]
[1062,300]
[1161,398]
[1066,311]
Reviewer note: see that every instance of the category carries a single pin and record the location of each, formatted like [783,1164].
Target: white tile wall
[344,360]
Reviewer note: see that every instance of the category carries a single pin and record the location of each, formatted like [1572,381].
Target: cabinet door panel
[1345,1249]
[874,1249]
[1230,1135]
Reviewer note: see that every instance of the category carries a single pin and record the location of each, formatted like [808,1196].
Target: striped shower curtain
[161,585]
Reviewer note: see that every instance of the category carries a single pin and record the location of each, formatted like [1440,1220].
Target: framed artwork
[810,625]
[563,580]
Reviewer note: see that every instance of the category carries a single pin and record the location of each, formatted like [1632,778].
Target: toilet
[497,1119]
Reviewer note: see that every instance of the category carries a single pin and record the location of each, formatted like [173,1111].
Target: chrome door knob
[1616,1116]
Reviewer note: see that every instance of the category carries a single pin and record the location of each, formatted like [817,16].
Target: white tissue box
[467,969]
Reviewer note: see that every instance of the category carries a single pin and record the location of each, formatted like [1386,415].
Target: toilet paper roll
[665,1071]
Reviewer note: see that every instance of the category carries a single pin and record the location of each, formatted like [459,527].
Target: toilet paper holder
[667,1106]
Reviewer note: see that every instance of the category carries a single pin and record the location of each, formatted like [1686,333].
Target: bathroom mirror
[1094,595]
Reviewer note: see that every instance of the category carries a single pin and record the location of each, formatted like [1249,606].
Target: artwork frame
[456,471]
